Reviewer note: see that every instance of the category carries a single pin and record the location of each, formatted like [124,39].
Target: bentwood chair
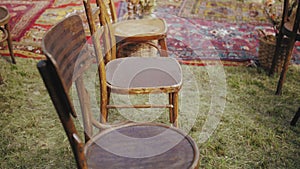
[136,75]
[130,145]
[4,27]
[289,27]
[144,30]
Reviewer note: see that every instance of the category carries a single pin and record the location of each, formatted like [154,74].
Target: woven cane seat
[140,28]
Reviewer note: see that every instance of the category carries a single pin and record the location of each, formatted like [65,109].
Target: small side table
[4,27]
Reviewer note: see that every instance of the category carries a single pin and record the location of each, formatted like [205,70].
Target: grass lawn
[253,131]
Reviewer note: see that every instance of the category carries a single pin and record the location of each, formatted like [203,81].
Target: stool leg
[175,98]
[9,42]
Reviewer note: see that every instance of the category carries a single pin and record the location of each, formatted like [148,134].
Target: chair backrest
[98,16]
[69,57]
[111,9]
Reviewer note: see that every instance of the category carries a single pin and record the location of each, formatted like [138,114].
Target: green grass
[253,132]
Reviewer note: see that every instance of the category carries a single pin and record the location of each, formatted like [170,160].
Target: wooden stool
[4,27]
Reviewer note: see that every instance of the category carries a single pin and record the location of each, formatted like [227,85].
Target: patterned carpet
[31,19]
[200,31]
[223,10]
[23,14]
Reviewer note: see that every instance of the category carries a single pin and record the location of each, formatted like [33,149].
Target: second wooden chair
[134,75]
[129,31]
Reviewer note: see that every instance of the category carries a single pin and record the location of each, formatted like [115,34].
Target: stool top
[4,15]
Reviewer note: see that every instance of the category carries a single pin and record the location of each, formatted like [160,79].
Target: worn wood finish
[290,29]
[136,75]
[127,145]
[4,27]
[130,31]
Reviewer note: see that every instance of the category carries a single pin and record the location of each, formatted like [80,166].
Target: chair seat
[153,27]
[139,73]
[142,145]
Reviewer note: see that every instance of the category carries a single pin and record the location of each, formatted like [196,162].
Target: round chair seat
[140,28]
[142,145]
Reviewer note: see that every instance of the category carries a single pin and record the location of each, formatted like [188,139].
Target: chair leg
[171,108]
[175,109]
[9,42]
[103,107]
[163,45]
[295,118]
[285,67]
[108,95]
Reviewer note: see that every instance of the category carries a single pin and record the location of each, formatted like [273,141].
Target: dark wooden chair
[289,28]
[129,145]
[155,74]
[4,27]
[145,30]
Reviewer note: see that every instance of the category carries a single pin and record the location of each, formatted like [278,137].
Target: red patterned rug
[24,14]
[201,31]
[32,18]
[197,34]
[224,10]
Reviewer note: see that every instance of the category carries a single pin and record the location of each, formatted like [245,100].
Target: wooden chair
[165,73]
[131,145]
[4,27]
[129,31]
[289,28]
